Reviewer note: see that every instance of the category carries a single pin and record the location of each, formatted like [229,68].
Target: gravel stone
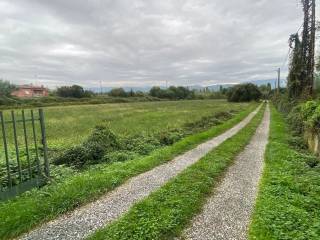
[83,221]
[226,214]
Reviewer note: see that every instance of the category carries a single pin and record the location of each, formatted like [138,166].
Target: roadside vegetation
[164,213]
[71,188]
[288,204]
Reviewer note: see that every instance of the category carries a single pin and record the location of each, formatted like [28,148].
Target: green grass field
[69,125]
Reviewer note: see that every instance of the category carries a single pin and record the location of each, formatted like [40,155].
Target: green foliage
[6,89]
[103,144]
[170,137]
[288,204]
[265,91]
[172,93]
[73,91]
[70,125]
[164,213]
[118,92]
[119,156]
[295,77]
[92,150]
[311,115]
[244,93]
[283,103]
[295,120]
[58,198]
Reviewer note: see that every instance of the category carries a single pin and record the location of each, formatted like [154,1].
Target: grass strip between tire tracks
[288,203]
[164,213]
[40,205]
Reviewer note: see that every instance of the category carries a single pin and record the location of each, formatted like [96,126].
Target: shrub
[311,115]
[140,143]
[244,93]
[92,150]
[295,120]
[170,137]
[308,109]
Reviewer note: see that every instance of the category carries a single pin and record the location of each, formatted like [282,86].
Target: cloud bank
[144,42]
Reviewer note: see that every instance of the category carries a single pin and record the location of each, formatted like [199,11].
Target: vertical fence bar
[5,145]
[35,142]
[16,144]
[26,143]
[44,143]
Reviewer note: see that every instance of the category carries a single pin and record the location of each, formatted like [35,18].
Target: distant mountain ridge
[215,87]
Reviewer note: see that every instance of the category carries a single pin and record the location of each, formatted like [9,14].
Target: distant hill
[215,87]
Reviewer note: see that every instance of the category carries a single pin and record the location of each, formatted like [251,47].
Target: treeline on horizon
[77,94]
[238,93]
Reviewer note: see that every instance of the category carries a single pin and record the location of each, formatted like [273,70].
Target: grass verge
[288,204]
[35,207]
[165,212]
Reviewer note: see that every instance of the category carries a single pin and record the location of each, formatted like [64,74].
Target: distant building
[25,91]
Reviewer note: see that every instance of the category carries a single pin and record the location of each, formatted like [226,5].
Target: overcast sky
[144,42]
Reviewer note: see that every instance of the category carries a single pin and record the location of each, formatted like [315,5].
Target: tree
[265,90]
[6,88]
[317,75]
[295,68]
[73,91]
[118,92]
[172,93]
[155,92]
[244,93]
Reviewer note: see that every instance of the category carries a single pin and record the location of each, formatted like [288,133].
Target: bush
[295,120]
[170,137]
[92,150]
[244,93]
[141,143]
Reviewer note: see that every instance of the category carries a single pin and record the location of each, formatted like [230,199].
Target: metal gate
[24,160]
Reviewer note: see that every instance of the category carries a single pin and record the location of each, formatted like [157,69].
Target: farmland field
[69,125]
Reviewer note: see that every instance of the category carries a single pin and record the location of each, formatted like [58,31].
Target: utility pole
[278,80]
[100,87]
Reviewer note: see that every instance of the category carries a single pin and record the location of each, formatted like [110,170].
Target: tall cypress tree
[295,87]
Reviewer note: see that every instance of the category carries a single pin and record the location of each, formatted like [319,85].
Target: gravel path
[81,222]
[226,215]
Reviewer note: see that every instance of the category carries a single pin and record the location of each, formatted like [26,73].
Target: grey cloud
[144,42]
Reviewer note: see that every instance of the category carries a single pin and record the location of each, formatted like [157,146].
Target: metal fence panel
[24,163]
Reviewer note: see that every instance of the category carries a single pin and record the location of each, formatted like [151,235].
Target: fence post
[26,142]
[44,143]
[35,143]
[16,144]
[5,145]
